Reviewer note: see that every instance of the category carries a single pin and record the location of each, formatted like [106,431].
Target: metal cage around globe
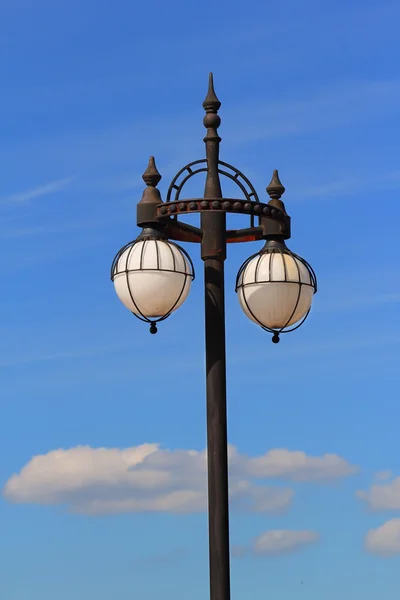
[275,288]
[152,278]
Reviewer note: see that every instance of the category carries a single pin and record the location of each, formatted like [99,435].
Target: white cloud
[283,540]
[384,540]
[298,466]
[146,478]
[37,192]
[382,496]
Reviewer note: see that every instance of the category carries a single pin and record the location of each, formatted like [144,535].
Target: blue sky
[89,91]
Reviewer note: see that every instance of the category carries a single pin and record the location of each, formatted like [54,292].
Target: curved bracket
[182,232]
[233,205]
[272,220]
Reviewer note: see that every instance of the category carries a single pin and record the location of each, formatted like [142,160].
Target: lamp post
[152,277]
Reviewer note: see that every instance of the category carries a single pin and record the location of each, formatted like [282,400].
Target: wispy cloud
[359,301]
[382,475]
[319,109]
[324,108]
[54,356]
[62,228]
[36,192]
[348,186]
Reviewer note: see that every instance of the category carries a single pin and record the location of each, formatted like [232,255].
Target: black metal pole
[214,254]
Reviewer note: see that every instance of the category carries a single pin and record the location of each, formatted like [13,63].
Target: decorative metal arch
[245,185]
[250,194]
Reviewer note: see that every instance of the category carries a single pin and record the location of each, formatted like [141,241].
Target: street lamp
[152,277]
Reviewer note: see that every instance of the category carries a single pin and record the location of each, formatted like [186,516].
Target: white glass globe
[152,278]
[275,289]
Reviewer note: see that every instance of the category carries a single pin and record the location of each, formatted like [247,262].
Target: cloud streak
[321,108]
[347,187]
[326,107]
[360,301]
[37,192]
[383,475]
[27,359]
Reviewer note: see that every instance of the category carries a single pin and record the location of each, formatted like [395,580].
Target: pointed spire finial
[275,188]
[211,102]
[151,176]
[211,122]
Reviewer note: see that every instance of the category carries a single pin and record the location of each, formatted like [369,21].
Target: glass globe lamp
[275,288]
[152,277]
